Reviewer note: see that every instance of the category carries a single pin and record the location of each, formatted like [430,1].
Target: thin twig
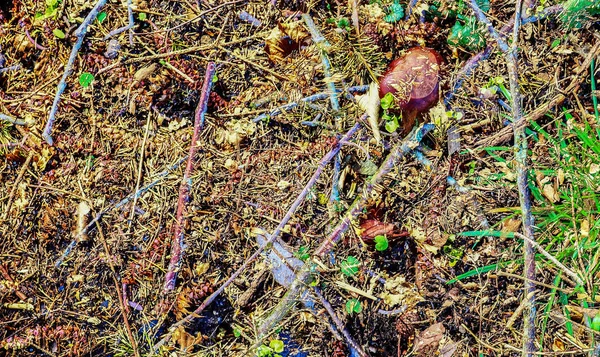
[120,204]
[309,99]
[521,169]
[551,258]
[122,305]
[322,45]
[303,277]
[140,169]
[311,182]
[124,28]
[12,120]
[338,323]
[177,246]
[62,85]
[11,68]
[15,185]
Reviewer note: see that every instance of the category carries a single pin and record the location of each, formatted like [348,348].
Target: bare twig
[120,204]
[12,120]
[62,85]
[311,182]
[339,324]
[303,277]
[551,258]
[124,28]
[11,68]
[521,168]
[309,99]
[177,246]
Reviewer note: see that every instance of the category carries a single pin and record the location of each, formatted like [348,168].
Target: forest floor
[428,263]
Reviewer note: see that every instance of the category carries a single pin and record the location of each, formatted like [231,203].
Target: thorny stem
[62,85]
[303,277]
[311,182]
[177,246]
[521,168]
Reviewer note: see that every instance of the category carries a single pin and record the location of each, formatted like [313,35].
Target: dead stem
[62,85]
[177,246]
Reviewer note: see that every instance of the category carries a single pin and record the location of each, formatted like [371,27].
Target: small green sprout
[142,16]
[85,79]
[350,266]
[274,349]
[391,122]
[58,33]
[302,253]
[277,346]
[353,306]
[395,14]
[101,16]
[387,102]
[343,23]
[381,243]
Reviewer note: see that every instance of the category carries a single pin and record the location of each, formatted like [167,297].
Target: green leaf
[142,16]
[555,43]
[215,78]
[596,323]
[349,267]
[101,16]
[264,351]
[236,332]
[302,253]
[381,243]
[277,345]
[353,306]
[469,36]
[85,79]
[387,101]
[58,33]
[343,23]
[484,5]
[392,125]
[395,14]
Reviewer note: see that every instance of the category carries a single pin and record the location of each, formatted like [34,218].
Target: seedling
[302,253]
[101,16]
[381,243]
[353,306]
[274,349]
[58,33]
[395,14]
[350,266]
[85,79]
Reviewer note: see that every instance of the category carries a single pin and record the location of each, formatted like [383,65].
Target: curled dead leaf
[284,39]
